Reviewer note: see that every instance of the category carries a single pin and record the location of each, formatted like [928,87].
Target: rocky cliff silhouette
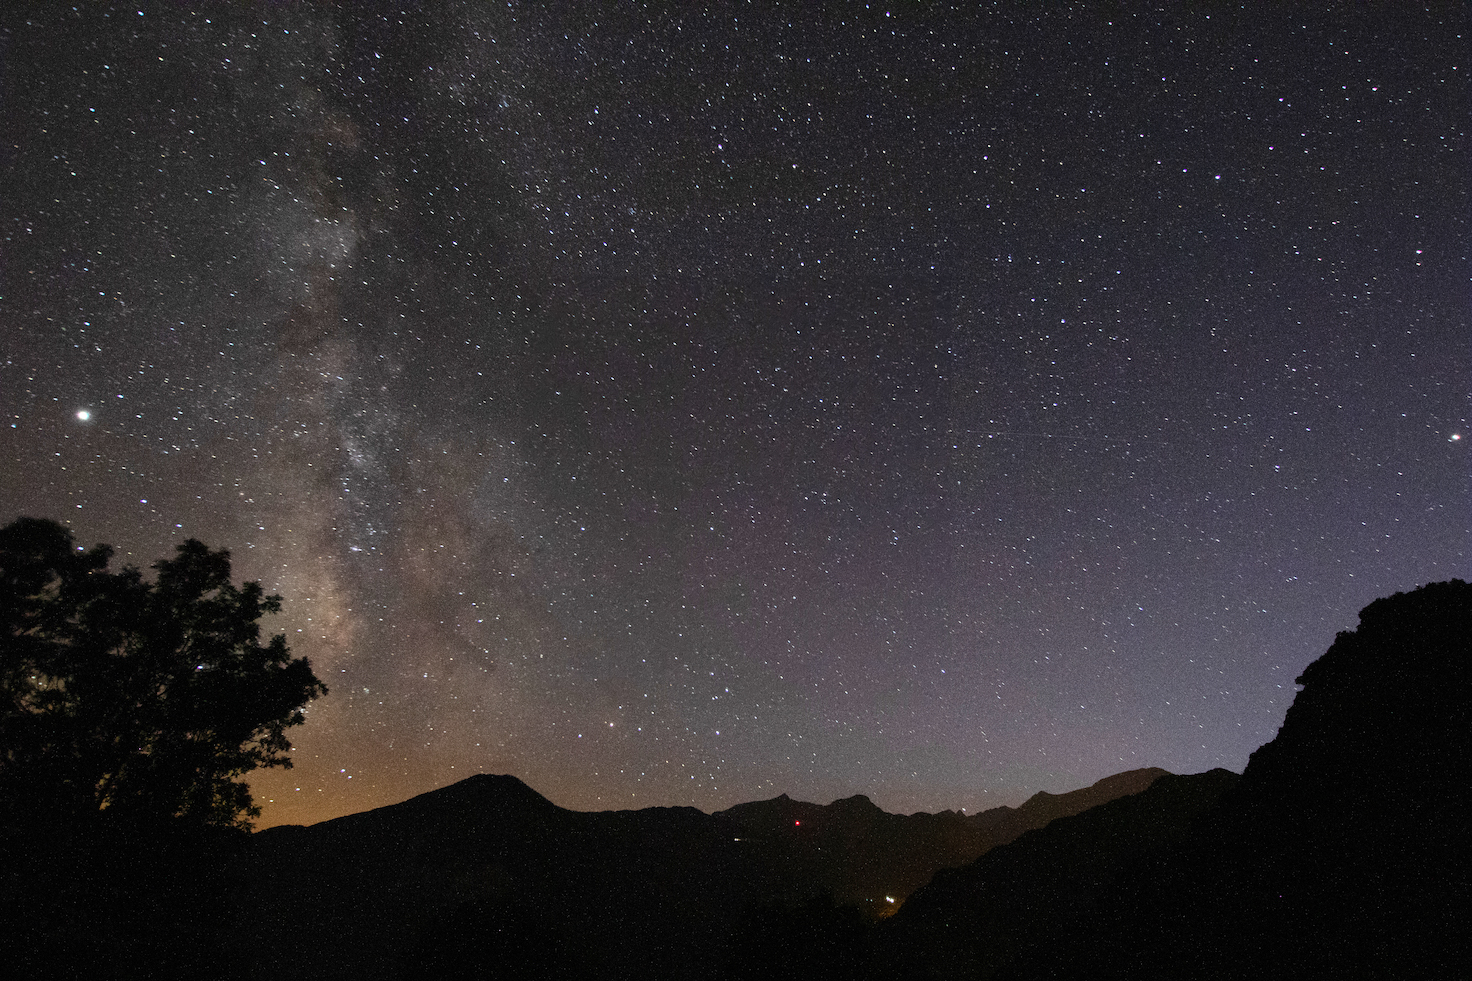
[1343,851]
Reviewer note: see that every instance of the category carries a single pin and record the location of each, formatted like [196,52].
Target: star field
[687,406]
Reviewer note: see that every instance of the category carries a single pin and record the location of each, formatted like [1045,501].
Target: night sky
[686,406]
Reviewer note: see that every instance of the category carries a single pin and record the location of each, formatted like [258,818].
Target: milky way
[689,407]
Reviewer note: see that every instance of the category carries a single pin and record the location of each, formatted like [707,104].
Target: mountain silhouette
[867,857]
[488,876]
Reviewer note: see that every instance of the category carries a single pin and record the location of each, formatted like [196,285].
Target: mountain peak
[486,787]
[499,793]
[485,795]
[856,803]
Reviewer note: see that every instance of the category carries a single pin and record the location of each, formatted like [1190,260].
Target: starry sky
[685,405]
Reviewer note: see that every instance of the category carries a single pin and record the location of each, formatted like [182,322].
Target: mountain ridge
[496,787]
[651,887]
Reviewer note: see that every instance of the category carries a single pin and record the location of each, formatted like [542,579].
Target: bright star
[84,415]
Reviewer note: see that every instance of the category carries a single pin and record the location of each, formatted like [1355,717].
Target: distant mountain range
[863,855]
[638,888]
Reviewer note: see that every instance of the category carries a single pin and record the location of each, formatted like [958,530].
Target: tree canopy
[133,699]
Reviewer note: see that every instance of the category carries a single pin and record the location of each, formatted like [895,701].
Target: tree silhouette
[141,701]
